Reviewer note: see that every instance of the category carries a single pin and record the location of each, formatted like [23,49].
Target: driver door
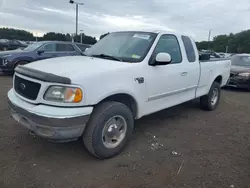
[166,83]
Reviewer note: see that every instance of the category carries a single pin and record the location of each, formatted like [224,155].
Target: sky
[96,17]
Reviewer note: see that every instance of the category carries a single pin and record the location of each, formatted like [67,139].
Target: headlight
[5,62]
[63,94]
[245,74]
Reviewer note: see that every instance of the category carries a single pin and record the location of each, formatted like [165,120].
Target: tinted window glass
[169,44]
[70,48]
[82,47]
[48,48]
[64,48]
[189,48]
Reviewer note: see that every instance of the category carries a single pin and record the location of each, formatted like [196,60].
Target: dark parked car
[3,44]
[36,51]
[83,47]
[240,71]
[11,44]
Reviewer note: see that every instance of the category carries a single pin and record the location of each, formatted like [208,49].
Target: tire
[207,102]
[94,134]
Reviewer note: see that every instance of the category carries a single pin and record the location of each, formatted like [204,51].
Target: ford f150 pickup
[123,77]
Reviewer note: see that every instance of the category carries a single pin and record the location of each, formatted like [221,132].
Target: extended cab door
[175,83]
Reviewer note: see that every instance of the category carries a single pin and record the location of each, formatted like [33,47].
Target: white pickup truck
[123,77]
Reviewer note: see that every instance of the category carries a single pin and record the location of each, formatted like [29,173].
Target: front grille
[26,88]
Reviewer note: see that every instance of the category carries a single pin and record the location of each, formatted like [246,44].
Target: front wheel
[109,129]
[211,100]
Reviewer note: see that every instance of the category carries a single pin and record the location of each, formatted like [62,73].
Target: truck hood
[239,69]
[77,66]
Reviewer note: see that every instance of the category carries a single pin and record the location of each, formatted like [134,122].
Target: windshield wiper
[107,56]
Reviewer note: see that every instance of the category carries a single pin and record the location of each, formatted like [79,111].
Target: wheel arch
[16,61]
[218,79]
[124,98]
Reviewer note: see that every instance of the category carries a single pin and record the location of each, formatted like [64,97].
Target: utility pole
[76,19]
[208,40]
[81,34]
[226,49]
[77,4]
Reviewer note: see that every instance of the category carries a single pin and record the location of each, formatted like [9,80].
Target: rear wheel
[109,129]
[211,100]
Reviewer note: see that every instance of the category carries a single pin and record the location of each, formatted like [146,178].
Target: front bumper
[54,123]
[239,82]
[4,68]
[7,69]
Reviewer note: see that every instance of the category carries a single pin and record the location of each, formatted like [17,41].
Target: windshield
[241,61]
[33,46]
[127,46]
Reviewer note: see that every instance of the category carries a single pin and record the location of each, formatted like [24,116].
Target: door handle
[184,73]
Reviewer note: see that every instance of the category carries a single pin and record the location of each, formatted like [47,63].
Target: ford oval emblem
[22,86]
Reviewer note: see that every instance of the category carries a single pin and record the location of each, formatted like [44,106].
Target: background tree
[56,36]
[236,43]
[104,35]
[7,33]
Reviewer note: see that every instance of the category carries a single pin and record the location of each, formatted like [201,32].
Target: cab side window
[169,44]
[189,48]
[48,47]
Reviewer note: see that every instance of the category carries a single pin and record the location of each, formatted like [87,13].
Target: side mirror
[39,52]
[204,57]
[161,59]
[86,49]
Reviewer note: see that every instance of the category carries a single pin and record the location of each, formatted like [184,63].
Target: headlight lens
[5,62]
[63,94]
[245,74]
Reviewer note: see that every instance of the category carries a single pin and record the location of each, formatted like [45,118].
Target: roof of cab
[155,31]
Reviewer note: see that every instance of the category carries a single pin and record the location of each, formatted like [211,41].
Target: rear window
[64,48]
[189,48]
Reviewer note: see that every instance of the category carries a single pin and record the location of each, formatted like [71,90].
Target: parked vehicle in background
[124,76]
[83,47]
[11,44]
[3,44]
[240,71]
[36,51]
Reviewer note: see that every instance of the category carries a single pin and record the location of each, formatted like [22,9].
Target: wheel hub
[215,96]
[114,131]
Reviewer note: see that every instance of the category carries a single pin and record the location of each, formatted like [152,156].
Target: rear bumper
[54,123]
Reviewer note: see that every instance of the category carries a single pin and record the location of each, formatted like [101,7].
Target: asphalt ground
[183,146]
